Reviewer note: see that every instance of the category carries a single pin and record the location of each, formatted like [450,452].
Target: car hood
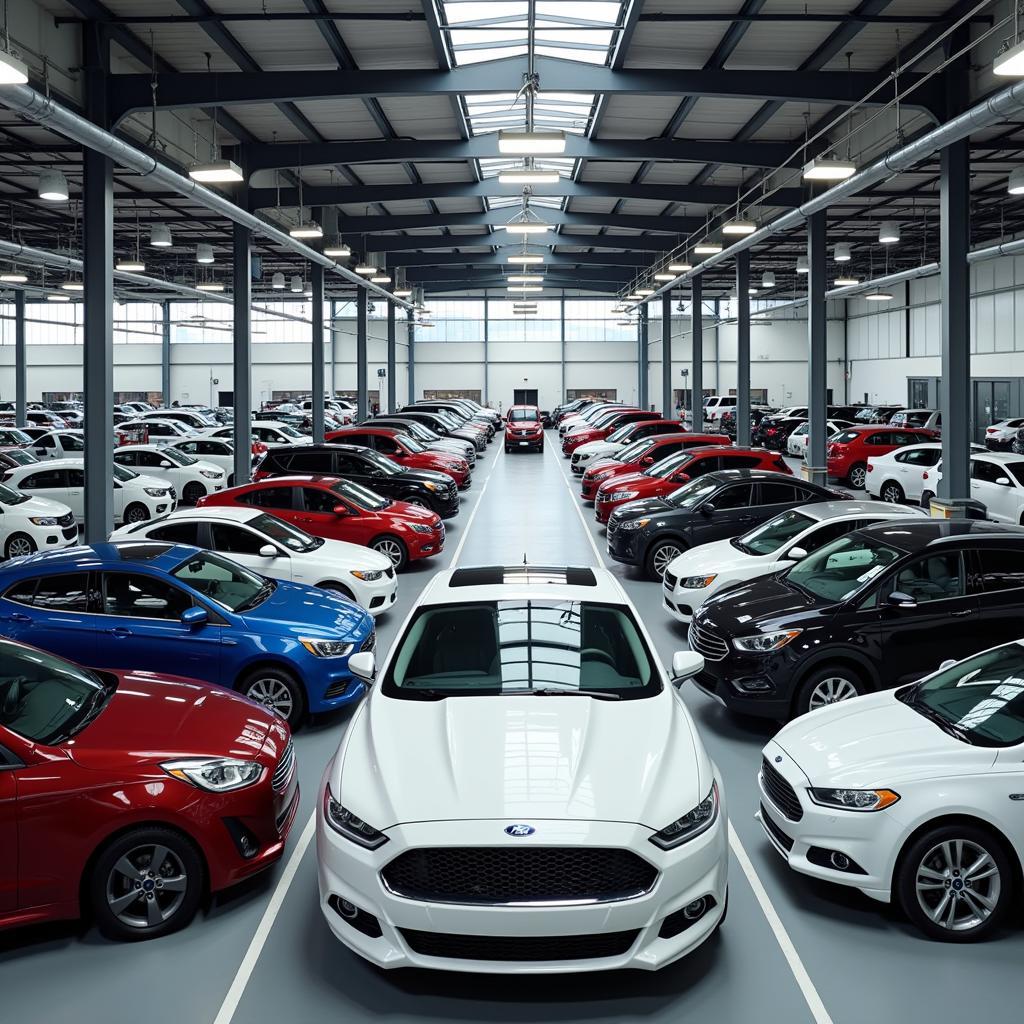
[596,449]
[349,556]
[641,507]
[422,475]
[719,556]
[152,717]
[873,742]
[302,611]
[760,604]
[521,757]
[39,507]
[148,481]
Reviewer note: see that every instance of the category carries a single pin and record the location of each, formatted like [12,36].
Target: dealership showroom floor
[371,369]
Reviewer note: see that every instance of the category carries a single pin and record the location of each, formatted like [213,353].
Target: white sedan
[701,572]
[563,814]
[29,524]
[1001,434]
[270,432]
[277,549]
[191,478]
[911,795]
[796,443]
[905,474]
[216,450]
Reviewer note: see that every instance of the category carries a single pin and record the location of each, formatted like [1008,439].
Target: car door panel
[243,546]
[733,514]
[52,612]
[9,867]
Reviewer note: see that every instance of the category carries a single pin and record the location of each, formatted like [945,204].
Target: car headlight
[156,492]
[326,648]
[431,487]
[42,520]
[421,528]
[621,495]
[634,524]
[764,642]
[215,774]
[345,823]
[855,799]
[211,474]
[367,575]
[698,582]
[691,824]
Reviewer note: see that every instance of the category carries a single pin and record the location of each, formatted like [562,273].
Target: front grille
[774,831]
[370,643]
[69,532]
[493,875]
[173,493]
[669,580]
[68,520]
[513,948]
[780,792]
[704,642]
[389,572]
[283,771]
[576,457]
[338,689]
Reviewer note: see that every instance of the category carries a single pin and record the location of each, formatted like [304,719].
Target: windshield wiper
[940,720]
[739,545]
[552,692]
[258,598]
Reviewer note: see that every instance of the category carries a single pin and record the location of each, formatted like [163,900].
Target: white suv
[29,524]
[554,753]
[191,478]
[715,405]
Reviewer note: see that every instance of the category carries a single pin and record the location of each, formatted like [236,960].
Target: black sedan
[425,487]
[445,426]
[880,607]
[716,506]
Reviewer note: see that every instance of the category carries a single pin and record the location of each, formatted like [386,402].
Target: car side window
[42,480]
[826,533]
[740,461]
[735,496]
[310,462]
[805,494]
[932,578]
[135,595]
[998,570]
[189,447]
[177,533]
[878,438]
[205,448]
[234,540]
[270,497]
[777,494]
[72,443]
[698,467]
[64,592]
[386,445]
[988,472]
[318,500]
[74,477]
[126,458]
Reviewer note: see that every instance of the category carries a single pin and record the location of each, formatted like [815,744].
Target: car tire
[891,492]
[857,477]
[829,684]
[276,689]
[929,870]
[926,499]
[192,492]
[507,450]
[19,544]
[659,554]
[131,899]
[231,480]
[419,502]
[336,588]
[136,513]
[395,550]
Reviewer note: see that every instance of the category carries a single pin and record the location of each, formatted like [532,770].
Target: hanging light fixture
[525,258]
[634,297]
[526,222]
[767,279]
[1009,59]
[204,253]
[216,170]
[306,229]
[277,281]
[707,248]
[369,266]
[528,176]
[751,290]
[644,292]
[842,253]
[403,290]
[525,278]
[160,236]
[878,296]
[57,297]
[523,288]
[337,249]
[665,275]
[829,168]
[1015,184]
[802,267]
[681,267]
[210,286]
[53,186]
[845,280]
[531,143]
[739,227]
[73,284]
[381,277]
[133,265]
[889,232]
[13,70]
[14,276]
[296,284]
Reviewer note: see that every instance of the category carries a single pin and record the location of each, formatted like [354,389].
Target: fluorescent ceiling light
[751,290]
[767,279]
[366,269]
[339,250]
[160,236]
[403,292]
[842,253]
[1010,62]
[527,227]
[381,279]
[525,288]
[1015,185]
[889,232]
[802,265]
[307,229]
[664,275]
[216,172]
[12,70]
[843,282]
[528,176]
[524,312]
[57,297]
[525,278]
[739,227]
[829,169]
[53,186]
[707,248]
[680,268]
[634,297]
[14,277]
[210,286]
[520,143]
[525,257]
[277,281]
[73,285]
[204,253]
[130,266]
[878,296]
[644,292]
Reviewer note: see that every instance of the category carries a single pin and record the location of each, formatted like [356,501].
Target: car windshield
[173,455]
[9,496]
[840,569]
[45,699]
[771,536]
[522,414]
[691,494]
[522,648]
[20,456]
[284,533]
[225,582]
[421,432]
[665,468]
[290,431]
[124,474]
[619,433]
[634,451]
[845,437]
[411,443]
[360,496]
[385,466]
[11,435]
[979,700]
[1016,470]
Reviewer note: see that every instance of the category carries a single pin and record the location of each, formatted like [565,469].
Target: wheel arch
[845,657]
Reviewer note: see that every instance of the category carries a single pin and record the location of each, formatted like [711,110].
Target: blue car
[175,608]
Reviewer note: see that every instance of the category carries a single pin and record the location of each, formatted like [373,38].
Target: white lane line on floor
[227,1009]
[472,515]
[579,510]
[796,965]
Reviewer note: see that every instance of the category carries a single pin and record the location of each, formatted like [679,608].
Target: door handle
[966,611]
[19,617]
[119,631]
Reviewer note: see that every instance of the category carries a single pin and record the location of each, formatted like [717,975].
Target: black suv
[877,608]
[652,531]
[424,487]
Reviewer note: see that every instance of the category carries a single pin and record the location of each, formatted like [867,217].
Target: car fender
[839,652]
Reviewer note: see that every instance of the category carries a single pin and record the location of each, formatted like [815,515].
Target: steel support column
[334,348]
[697,354]
[642,369]
[817,347]
[316,278]
[487,341]
[165,352]
[98,278]
[20,365]
[410,364]
[561,350]
[391,359]
[361,381]
[743,347]
[955,377]
[667,405]
[242,352]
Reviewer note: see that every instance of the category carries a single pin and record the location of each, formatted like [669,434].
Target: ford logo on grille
[519,830]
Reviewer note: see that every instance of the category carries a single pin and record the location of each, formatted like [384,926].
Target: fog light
[695,909]
[839,861]
[754,684]
[347,910]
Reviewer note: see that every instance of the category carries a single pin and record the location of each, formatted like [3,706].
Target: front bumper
[697,869]
[423,545]
[519,439]
[626,545]
[376,596]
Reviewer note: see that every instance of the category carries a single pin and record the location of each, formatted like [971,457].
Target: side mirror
[194,617]
[269,551]
[363,665]
[685,665]
[898,599]
[340,510]
[708,508]
[164,464]
[796,553]
[948,663]
[1004,481]
[647,460]
[681,478]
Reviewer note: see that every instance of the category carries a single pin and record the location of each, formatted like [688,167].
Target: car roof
[234,513]
[1005,457]
[731,475]
[918,534]
[51,464]
[293,480]
[519,582]
[822,510]
[306,449]
[157,554]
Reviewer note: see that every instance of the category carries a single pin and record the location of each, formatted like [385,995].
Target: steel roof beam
[405,222]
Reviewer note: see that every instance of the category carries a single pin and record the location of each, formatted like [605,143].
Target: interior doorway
[524,396]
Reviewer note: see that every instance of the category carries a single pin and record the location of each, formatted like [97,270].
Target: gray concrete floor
[862,961]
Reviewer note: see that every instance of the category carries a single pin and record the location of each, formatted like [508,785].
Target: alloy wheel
[858,476]
[391,549]
[958,885]
[272,693]
[136,514]
[665,554]
[146,886]
[892,493]
[18,546]
[831,690]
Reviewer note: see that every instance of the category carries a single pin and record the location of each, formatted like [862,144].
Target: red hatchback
[327,506]
[849,450]
[126,796]
[403,450]
[637,457]
[671,473]
[605,427]
[524,428]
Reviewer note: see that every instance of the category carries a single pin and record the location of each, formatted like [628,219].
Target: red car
[848,452]
[671,473]
[604,428]
[327,506]
[404,450]
[635,458]
[524,428]
[127,796]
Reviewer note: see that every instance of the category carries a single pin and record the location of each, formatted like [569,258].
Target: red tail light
[924,475]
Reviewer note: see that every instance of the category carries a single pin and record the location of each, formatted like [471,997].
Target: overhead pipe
[49,114]
[996,109]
